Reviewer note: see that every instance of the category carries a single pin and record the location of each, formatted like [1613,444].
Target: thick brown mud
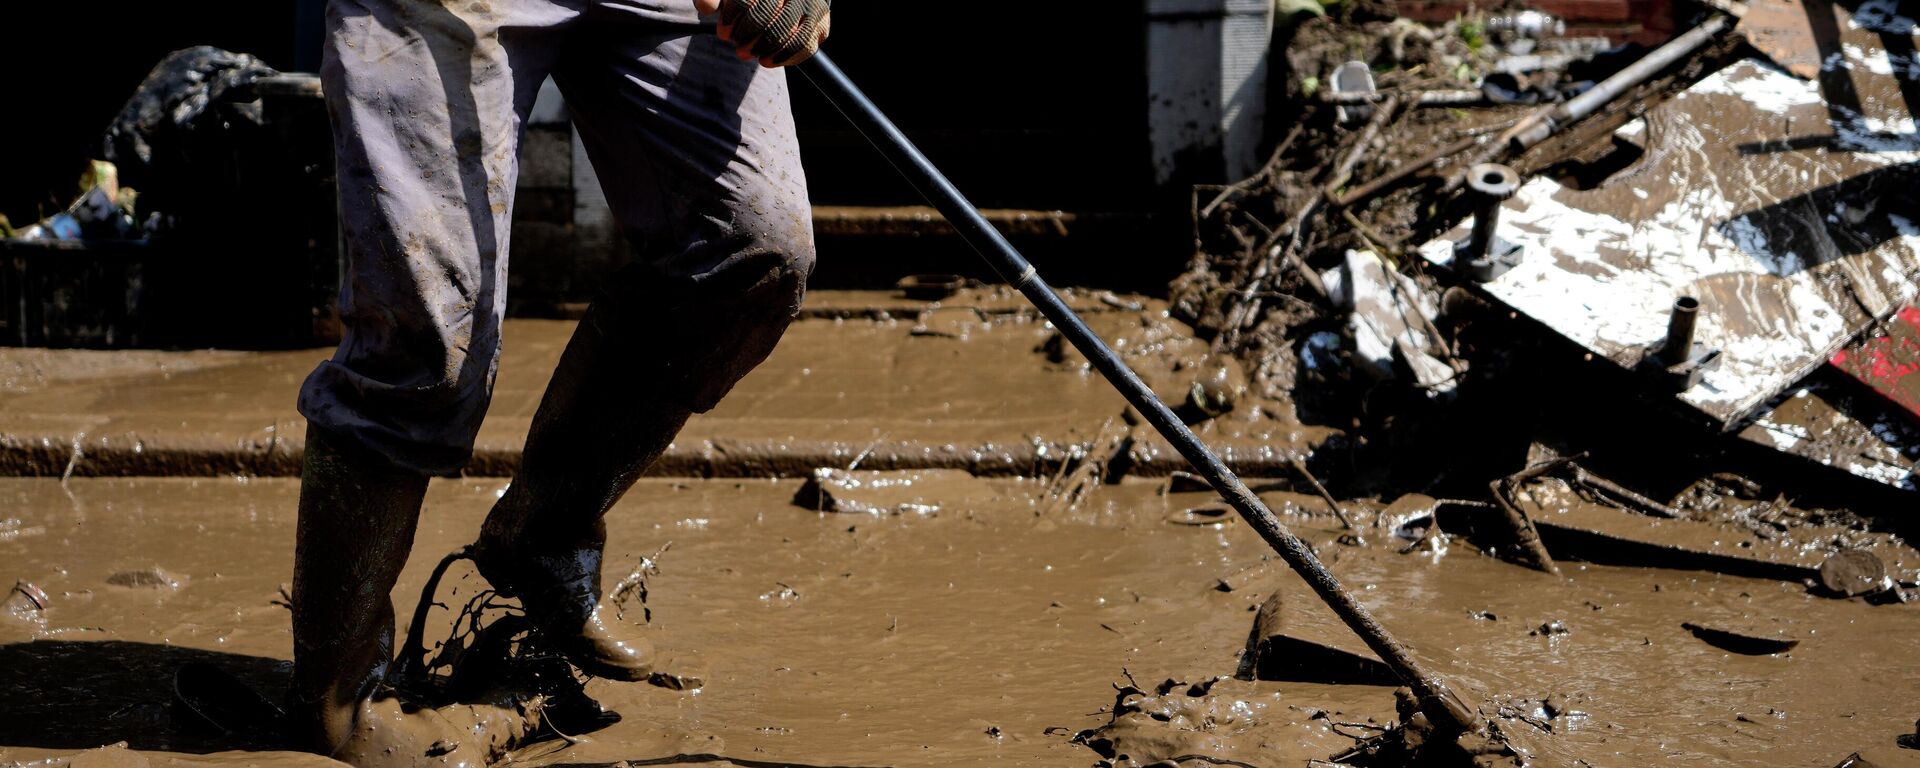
[971,382]
[978,633]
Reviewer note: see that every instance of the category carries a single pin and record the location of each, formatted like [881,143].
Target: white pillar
[1207,63]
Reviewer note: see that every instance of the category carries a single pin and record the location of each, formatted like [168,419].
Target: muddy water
[981,633]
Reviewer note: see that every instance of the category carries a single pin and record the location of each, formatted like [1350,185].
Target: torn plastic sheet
[1389,317]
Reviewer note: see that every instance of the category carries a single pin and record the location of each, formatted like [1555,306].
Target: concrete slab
[850,380]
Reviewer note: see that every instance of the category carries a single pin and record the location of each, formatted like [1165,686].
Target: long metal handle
[1438,701]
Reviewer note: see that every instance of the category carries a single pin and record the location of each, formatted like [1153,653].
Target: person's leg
[426,100]
[697,153]
[357,518]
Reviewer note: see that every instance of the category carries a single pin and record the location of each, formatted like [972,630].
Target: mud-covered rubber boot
[357,519]
[597,429]
[558,585]
[654,348]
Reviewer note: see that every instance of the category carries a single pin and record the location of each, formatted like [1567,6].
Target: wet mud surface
[978,633]
[967,383]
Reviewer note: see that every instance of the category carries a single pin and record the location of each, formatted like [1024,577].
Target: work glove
[777,32]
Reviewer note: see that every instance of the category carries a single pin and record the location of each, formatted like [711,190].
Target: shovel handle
[1437,700]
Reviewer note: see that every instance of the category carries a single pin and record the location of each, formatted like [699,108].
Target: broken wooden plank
[1275,654]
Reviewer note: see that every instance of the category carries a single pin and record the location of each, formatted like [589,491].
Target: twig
[1657,509]
[1070,489]
[1242,313]
[1343,172]
[1524,534]
[73,458]
[865,452]
[1300,467]
[1379,242]
[1265,172]
[1401,172]
[635,584]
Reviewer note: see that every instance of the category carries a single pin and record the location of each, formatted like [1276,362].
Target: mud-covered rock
[156,578]
[1219,719]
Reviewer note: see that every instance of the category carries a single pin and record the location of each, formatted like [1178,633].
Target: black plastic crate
[68,293]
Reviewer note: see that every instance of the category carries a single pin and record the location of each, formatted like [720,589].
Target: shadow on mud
[697,759]
[63,694]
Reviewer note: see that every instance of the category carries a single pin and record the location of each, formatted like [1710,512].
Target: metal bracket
[1501,256]
[1679,361]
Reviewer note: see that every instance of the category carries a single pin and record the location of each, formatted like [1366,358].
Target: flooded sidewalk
[967,383]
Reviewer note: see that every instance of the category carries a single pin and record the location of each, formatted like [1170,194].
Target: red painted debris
[1889,364]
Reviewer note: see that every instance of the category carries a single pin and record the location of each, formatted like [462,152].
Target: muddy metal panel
[1862,414]
[1795,219]
[1890,365]
[1839,424]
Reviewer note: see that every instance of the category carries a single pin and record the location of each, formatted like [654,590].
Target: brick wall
[1648,22]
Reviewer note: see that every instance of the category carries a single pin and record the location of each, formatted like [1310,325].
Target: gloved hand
[777,32]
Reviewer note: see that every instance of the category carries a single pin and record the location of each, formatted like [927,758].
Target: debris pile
[181,117]
[103,211]
[1634,307]
[1397,270]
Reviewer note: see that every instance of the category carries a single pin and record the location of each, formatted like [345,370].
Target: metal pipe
[1437,699]
[1679,346]
[1579,107]
[1492,184]
[1449,97]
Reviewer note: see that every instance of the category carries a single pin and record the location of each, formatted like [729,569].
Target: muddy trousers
[697,155]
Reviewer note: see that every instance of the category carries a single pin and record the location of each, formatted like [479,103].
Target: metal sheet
[1791,209]
[1889,364]
[1828,420]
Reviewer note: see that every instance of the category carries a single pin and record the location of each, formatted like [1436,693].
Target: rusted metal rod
[1437,699]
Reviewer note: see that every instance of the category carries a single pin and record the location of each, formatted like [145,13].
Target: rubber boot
[357,519]
[558,584]
[595,432]
[659,344]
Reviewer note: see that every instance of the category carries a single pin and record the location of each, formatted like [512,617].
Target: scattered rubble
[1176,721]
